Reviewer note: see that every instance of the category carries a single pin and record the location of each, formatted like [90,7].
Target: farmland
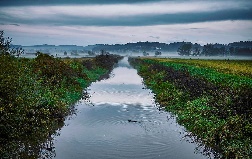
[212,99]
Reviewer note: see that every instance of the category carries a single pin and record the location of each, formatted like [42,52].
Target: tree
[211,50]
[196,51]
[5,46]
[222,51]
[185,49]
[91,53]
[157,53]
[103,52]
[231,51]
[145,53]
[208,50]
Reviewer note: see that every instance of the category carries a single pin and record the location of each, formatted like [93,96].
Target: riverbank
[120,103]
[36,96]
[212,99]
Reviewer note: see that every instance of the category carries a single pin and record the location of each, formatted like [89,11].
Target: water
[121,121]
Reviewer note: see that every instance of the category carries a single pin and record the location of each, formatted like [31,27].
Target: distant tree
[5,46]
[185,49]
[208,50]
[243,51]
[103,52]
[196,51]
[222,51]
[91,53]
[211,50]
[234,50]
[158,53]
[145,53]
[4,43]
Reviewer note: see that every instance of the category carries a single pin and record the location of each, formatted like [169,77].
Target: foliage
[36,95]
[232,49]
[106,61]
[5,46]
[158,53]
[196,50]
[145,53]
[210,50]
[213,105]
[185,49]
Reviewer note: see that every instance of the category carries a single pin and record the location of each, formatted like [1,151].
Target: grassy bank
[212,99]
[36,95]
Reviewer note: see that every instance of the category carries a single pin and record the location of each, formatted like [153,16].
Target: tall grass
[213,103]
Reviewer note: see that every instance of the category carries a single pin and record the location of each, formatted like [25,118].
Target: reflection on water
[121,121]
[124,87]
[36,144]
[36,141]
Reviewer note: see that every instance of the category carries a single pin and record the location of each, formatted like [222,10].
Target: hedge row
[36,96]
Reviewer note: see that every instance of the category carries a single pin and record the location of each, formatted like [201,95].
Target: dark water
[101,127]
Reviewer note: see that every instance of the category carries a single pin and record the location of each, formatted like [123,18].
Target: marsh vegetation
[36,96]
[211,98]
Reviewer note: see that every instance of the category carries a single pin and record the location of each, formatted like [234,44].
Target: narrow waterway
[121,121]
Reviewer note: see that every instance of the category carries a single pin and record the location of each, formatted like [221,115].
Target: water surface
[101,127]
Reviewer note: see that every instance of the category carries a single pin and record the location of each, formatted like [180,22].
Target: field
[211,98]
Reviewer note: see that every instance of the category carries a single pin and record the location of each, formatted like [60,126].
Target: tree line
[189,49]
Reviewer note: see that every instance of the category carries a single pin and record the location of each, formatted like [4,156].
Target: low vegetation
[36,96]
[212,99]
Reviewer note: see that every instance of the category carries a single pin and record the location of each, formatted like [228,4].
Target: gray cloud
[72,2]
[15,24]
[138,20]
[10,24]
[195,28]
[126,20]
[154,37]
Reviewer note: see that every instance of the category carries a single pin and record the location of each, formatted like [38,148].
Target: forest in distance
[235,49]
[242,48]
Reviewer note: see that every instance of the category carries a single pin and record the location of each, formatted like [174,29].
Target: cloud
[15,24]
[220,32]
[10,24]
[131,20]
[195,28]
[105,21]
[67,2]
[154,37]
[119,10]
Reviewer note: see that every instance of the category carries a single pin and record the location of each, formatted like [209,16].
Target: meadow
[212,99]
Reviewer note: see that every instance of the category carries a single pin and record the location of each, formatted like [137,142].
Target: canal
[120,120]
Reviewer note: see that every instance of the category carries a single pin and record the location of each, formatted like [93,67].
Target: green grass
[214,105]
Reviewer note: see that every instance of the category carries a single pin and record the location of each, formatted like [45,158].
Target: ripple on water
[102,128]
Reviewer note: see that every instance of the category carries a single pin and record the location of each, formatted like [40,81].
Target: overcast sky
[82,22]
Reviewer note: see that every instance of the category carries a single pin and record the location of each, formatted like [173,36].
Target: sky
[88,22]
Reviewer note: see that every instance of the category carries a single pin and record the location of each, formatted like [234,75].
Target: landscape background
[235,49]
